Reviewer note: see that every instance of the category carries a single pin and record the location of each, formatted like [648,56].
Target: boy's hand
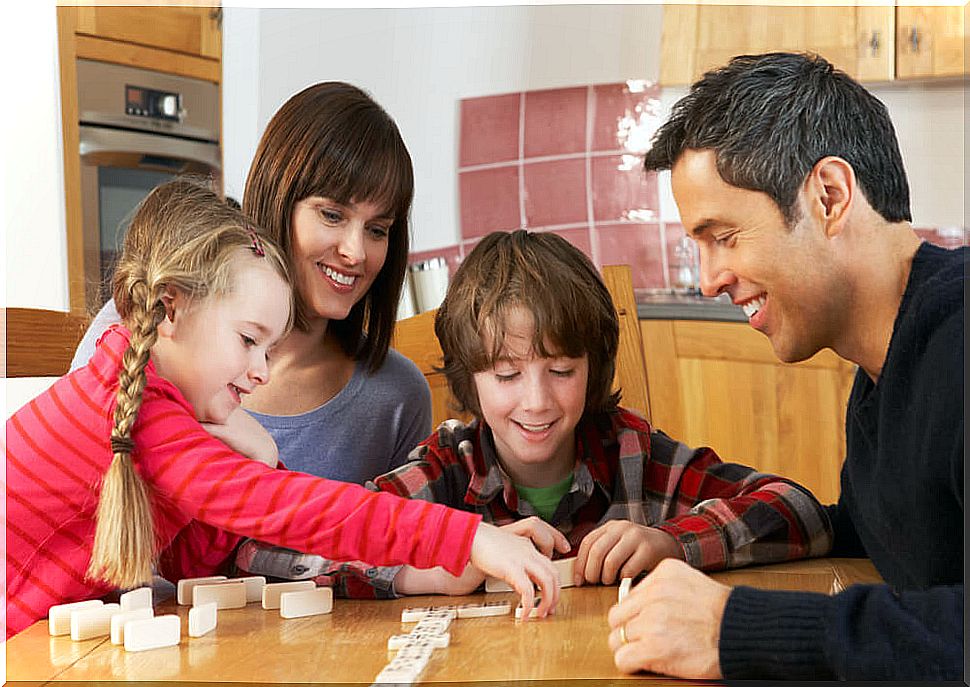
[620,548]
[514,559]
[244,435]
[545,537]
[437,581]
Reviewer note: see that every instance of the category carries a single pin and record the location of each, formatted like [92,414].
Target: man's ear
[831,188]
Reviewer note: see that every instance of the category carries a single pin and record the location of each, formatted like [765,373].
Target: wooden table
[251,645]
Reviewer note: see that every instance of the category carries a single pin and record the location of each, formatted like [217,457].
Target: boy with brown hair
[529,336]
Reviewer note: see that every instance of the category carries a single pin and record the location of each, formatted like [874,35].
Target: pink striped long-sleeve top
[204,495]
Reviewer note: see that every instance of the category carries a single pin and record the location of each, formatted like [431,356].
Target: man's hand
[671,623]
[244,435]
[620,548]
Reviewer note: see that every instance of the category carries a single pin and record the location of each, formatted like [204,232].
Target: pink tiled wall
[567,160]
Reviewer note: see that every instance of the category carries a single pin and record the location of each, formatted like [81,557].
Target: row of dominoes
[293,599]
[413,615]
[132,621]
[415,648]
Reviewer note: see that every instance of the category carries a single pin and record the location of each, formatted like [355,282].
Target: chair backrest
[414,337]
[40,343]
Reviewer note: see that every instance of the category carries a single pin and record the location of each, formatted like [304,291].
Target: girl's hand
[620,548]
[514,559]
[244,435]
[439,581]
[545,537]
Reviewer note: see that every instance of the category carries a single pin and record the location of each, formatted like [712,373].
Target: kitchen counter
[664,304]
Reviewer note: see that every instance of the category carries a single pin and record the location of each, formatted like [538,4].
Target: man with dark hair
[788,175]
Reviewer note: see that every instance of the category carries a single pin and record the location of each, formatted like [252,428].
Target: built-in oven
[138,128]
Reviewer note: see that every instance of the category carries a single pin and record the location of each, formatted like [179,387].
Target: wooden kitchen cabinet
[869,43]
[700,37]
[173,39]
[719,384]
[191,30]
[167,38]
[930,41]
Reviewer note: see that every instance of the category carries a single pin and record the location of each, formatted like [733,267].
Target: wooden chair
[414,337]
[40,343]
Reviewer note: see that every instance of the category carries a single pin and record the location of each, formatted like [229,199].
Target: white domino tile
[490,608]
[413,615]
[153,633]
[305,603]
[438,625]
[534,613]
[435,641]
[92,622]
[254,587]
[136,598]
[412,655]
[203,618]
[624,589]
[271,592]
[398,676]
[184,591]
[118,621]
[59,617]
[408,665]
[227,594]
[564,566]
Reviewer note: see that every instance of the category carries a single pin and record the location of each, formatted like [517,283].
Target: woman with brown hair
[332,183]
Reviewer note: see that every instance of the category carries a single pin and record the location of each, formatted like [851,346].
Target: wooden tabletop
[251,645]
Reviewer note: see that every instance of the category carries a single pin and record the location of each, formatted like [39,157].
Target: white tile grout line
[590,219]
[560,227]
[664,263]
[521,160]
[542,158]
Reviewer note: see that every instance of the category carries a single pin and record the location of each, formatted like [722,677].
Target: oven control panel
[153,104]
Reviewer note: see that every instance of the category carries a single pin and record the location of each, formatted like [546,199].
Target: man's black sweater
[901,505]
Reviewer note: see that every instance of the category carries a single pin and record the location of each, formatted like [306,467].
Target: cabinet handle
[914,39]
[874,44]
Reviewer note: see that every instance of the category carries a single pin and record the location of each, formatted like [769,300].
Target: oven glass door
[118,169]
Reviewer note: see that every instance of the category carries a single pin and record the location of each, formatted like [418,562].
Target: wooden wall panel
[718,384]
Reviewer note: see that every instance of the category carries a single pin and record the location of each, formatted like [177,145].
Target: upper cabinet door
[700,37]
[930,41]
[190,30]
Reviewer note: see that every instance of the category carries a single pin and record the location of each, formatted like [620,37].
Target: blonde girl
[332,183]
[111,475]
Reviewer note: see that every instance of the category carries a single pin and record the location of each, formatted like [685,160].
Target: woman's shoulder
[398,373]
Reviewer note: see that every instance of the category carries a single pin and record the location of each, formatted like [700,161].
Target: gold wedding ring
[623,638]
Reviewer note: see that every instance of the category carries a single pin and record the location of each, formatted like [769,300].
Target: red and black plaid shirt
[724,515]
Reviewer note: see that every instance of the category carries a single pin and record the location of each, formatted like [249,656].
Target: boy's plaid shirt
[724,515]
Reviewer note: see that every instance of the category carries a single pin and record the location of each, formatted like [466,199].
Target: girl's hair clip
[257,246]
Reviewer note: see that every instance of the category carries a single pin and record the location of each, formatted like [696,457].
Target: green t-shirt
[545,499]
